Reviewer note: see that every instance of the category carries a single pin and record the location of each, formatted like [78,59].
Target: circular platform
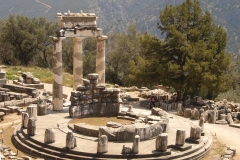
[87,146]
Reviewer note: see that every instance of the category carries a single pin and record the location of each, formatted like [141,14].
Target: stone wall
[2,78]
[93,99]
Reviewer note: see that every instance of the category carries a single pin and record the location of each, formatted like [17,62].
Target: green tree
[44,43]
[193,54]
[121,48]
[89,55]
[27,38]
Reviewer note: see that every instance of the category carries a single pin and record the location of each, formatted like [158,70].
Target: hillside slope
[114,15]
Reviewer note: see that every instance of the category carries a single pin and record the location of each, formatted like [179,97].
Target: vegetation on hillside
[114,15]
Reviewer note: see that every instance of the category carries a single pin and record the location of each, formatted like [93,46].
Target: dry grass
[217,150]
[99,121]
[7,135]
[10,118]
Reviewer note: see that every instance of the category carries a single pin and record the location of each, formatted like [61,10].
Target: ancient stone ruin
[153,134]
[28,80]
[78,26]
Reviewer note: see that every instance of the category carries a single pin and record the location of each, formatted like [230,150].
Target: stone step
[25,144]
[42,150]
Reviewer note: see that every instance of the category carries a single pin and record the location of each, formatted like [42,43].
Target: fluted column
[57,73]
[100,59]
[77,62]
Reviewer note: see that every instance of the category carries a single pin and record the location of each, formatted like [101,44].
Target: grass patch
[43,74]
[99,121]
[216,150]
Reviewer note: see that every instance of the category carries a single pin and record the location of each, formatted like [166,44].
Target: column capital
[101,38]
[56,39]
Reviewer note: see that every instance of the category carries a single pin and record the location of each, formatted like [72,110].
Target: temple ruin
[78,26]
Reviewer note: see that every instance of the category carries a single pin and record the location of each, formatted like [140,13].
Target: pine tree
[193,53]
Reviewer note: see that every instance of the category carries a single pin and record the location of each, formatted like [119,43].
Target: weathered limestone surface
[49,136]
[70,140]
[32,111]
[77,62]
[195,114]
[195,132]
[187,113]
[100,59]
[136,142]
[201,123]
[162,142]
[180,137]
[41,107]
[31,129]
[57,73]
[102,146]
[126,150]
[25,119]
[20,89]
[179,109]
[229,118]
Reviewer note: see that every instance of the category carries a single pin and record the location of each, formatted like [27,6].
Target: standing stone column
[32,111]
[25,119]
[31,130]
[49,136]
[180,137]
[162,142]
[100,59]
[102,146]
[77,62]
[201,123]
[229,118]
[57,73]
[195,132]
[70,140]
[135,147]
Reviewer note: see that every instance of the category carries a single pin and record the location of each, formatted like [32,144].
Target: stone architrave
[201,123]
[49,136]
[32,111]
[162,142]
[136,142]
[195,132]
[180,137]
[100,59]
[25,119]
[229,118]
[102,146]
[77,62]
[31,129]
[70,140]
[57,73]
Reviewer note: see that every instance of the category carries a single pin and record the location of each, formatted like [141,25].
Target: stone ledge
[86,129]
